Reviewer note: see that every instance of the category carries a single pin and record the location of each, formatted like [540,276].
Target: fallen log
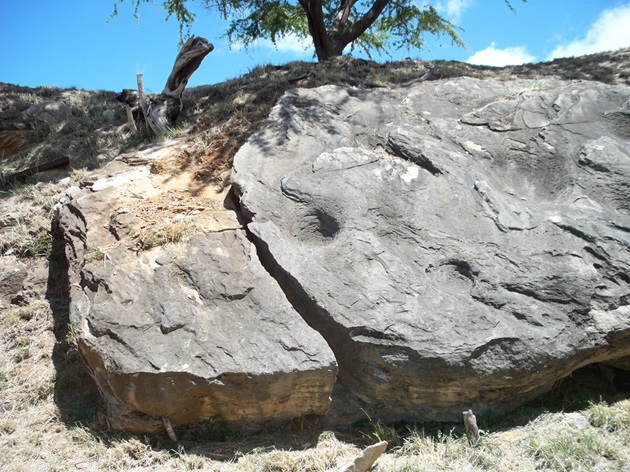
[24,174]
[163,109]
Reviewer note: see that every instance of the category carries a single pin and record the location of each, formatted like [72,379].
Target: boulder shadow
[75,393]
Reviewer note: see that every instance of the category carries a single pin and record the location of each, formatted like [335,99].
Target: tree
[371,25]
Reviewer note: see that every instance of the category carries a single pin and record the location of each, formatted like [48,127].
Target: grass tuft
[609,418]
[165,232]
[568,450]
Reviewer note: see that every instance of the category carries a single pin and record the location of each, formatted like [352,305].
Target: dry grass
[85,136]
[49,406]
[49,421]
[220,118]
[26,211]
[35,438]
[163,232]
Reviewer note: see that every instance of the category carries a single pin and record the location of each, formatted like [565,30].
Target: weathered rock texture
[459,244]
[13,141]
[188,331]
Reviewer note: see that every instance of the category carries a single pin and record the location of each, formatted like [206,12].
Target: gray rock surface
[13,273]
[21,281]
[53,113]
[190,331]
[459,243]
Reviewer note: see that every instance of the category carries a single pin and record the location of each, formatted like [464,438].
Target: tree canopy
[370,25]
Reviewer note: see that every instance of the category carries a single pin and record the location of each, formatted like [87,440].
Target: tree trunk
[329,44]
[333,49]
[187,62]
[164,109]
[325,47]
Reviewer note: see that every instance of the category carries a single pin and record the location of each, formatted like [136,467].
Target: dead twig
[143,103]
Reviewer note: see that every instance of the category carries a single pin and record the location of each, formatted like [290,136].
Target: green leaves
[265,19]
[184,16]
[176,8]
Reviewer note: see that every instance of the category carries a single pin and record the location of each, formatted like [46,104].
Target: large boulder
[459,243]
[188,331]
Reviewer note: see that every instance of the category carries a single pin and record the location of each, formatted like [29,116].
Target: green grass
[38,246]
[72,334]
[569,450]
[609,418]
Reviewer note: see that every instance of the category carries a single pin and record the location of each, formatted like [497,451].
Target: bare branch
[366,21]
[341,20]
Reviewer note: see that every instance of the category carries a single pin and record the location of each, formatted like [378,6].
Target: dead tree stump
[163,109]
[472,430]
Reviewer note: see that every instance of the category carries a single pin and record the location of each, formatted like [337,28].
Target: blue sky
[70,43]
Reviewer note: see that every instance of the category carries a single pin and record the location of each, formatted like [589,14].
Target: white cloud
[609,32]
[453,9]
[289,43]
[491,56]
[294,44]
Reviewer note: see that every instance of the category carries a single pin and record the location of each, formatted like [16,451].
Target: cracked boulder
[459,243]
[187,331]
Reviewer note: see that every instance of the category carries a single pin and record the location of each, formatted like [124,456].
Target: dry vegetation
[49,408]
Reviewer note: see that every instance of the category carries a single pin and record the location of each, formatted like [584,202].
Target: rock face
[13,141]
[13,273]
[459,244]
[188,331]
[439,247]
[21,281]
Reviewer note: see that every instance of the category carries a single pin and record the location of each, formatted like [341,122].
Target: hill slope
[48,411]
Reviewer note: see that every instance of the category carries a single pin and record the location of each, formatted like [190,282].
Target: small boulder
[53,113]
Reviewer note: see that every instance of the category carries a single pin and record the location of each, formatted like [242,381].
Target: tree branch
[341,20]
[365,22]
